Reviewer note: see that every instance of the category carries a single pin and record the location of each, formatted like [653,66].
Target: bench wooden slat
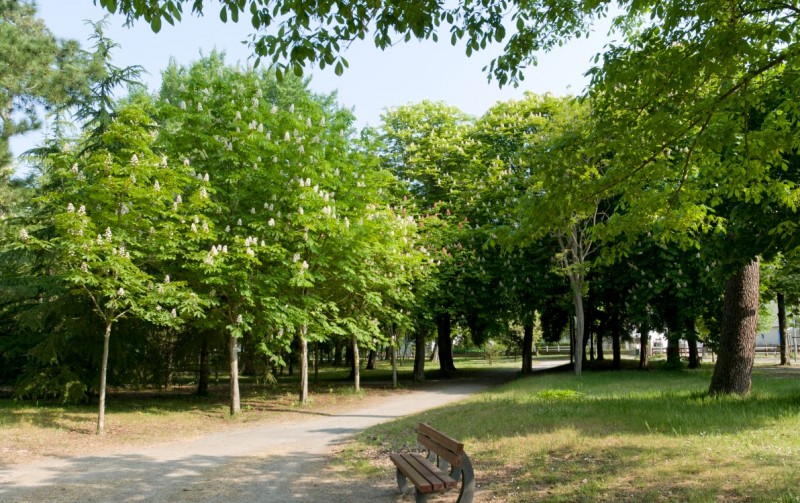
[448,482]
[403,464]
[439,443]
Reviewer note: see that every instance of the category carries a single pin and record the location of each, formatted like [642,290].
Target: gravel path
[285,462]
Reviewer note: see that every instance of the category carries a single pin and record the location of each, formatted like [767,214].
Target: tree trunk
[691,340]
[673,349]
[236,404]
[303,365]
[572,341]
[580,346]
[101,415]
[599,346]
[205,369]
[527,349]
[644,347]
[393,356]
[616,348]
[783,339]
[736,354]
[419,357]
[434,358]
[337,354]
[371,359]
[356,365]
[445,343]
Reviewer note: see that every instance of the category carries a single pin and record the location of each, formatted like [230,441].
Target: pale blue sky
[376,79]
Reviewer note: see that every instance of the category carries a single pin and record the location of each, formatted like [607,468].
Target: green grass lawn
[620,436]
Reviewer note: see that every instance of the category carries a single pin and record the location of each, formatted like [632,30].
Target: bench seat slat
[447,481]
[425,476]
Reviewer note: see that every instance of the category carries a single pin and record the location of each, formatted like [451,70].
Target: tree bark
[205,369]
[783,338]
[337,354]
[644,347]
[616,348]
[371,359]
[580,346]
[236,404]
[445,343]
[691,340]
[356,365]
[673,349]
[527,349]
[419,357]
[101,414]
[393,355]
[732,373]
[303,365]
[434,358]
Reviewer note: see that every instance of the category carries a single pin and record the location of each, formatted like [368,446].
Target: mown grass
[619,436]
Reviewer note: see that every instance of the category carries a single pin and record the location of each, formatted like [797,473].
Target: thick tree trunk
[527,349]
[783,339]
[644,347]
[356,366]
[205,369]
[236,404]
[371,359]
[303,365]
[101,415]
[673,349]
[445,343]
[736,354]
[419,357]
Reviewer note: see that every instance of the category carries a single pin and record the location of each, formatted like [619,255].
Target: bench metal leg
[402,482]
[467,481]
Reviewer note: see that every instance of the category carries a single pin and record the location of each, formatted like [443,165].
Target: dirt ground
[265,462]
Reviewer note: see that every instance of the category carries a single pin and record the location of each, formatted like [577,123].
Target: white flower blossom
[239,222]
[194,228]
[238,115]
[205,226]
[271,222]
[250,252]
[308,122]
[291,108]
[158,308]
[157,186]
[84,267]
[301,149]
[252,211]
[199,107]
[203,193]
[178,199]
[305,265]
[286,136]
[163,161]
[300,210]
[239,320]
[227,228]
[174,312]
[225,249]
[296,257]
[70,208]
[74,168]
[108,233]
[185,161]
[23,235]
[133,179]
[121,292]
[183,105]
[166,279]
[274,109]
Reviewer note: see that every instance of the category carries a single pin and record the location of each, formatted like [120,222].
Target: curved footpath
[279,462]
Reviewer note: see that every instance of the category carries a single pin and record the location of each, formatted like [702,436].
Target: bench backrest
[445,447]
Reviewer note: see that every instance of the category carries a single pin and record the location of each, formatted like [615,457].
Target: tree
[119,174]
[38,70]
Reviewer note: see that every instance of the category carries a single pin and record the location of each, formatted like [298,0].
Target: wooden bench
[445,464]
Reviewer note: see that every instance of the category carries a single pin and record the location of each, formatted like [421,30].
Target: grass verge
[617,436]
